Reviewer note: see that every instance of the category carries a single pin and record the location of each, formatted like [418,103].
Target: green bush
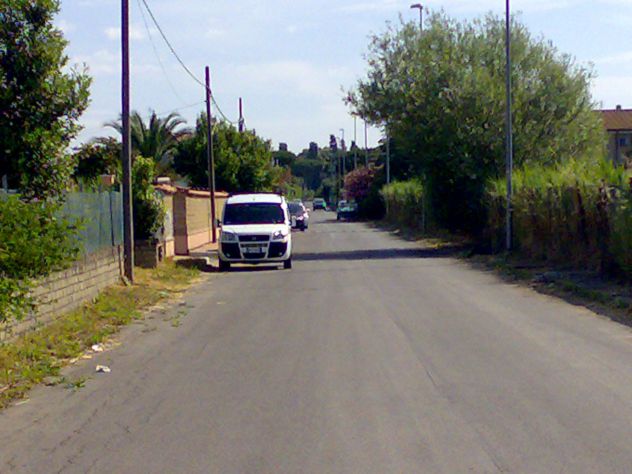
[34,242]
[149,210]
[405,203]
[577,213]
[621,245]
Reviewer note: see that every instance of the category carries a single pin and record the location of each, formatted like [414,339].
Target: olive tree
[441,96]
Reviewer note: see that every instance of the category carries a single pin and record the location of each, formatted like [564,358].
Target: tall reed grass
[577,213]
[404,202]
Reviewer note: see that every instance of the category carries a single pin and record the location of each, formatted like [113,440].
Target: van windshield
[260,213]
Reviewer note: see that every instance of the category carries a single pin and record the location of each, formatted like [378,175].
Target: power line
[184,66]
[153,45]
[182,108]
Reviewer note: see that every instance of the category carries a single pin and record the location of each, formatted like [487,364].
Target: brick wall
[67,290]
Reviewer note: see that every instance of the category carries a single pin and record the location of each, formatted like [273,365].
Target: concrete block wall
[67,290]
[192,218]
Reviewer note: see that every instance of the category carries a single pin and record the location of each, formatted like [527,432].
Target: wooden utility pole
[355,142]
[128,213]
[209,155]
[388,158]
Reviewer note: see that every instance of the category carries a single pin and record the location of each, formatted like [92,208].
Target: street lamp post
[508,130]
[421,14]
[342,150]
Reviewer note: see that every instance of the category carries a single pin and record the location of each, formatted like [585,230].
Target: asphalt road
[370,356]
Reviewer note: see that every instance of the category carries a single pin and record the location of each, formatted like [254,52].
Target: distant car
[319,203]
[299,217]
[347,210]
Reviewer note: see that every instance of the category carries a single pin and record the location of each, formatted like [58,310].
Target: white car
[256,228]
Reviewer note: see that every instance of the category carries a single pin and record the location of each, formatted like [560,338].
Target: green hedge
[577,213]
[404,202]
[34,241]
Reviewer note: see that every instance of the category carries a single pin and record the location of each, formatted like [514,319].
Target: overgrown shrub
[576,213]
[34,242]
[621,244]
[363,185]
[405,203]
[149,210]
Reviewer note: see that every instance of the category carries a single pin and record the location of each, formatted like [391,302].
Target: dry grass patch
[31,358]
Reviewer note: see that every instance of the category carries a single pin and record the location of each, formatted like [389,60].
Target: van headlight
[279,235]
[229,237]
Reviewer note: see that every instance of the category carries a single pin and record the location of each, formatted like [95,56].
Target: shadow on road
[378,254]
[254,268]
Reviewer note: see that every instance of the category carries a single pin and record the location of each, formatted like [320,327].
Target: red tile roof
[617,120]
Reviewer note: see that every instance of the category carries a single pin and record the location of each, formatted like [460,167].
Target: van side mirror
[218,223]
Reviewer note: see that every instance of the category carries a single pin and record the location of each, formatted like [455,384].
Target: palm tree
[157,139]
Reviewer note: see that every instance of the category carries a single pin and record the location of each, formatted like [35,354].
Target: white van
[255,228]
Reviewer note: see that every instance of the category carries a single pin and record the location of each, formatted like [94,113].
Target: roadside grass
[604,295]
[41,354]
[596,291]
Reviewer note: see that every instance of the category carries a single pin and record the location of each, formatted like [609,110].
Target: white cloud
[297,77]
[214,33]
[65,26]
[613,91]
[135,33]
[381,5]
[615,59]
[101,62]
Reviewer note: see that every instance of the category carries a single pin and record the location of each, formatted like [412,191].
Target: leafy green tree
[441,96]
[157,139]
[283,158]
[243,161]
[309,170]
[97,157]
[40,99]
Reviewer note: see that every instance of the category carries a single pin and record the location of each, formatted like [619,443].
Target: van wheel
[287,264]
[224,266]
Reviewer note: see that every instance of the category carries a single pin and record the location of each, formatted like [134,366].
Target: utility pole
[209,155]
[509,131]
[128,212]
[333,148]
[366,145]
[421,15]
[343,152]
[241,116]
[388,158]
[355,142]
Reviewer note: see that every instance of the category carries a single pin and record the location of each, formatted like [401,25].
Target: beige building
[618,123]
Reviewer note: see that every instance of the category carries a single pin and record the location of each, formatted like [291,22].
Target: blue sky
[290,59]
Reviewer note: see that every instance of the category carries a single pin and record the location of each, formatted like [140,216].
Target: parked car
[319,203]
[255,228]
[299,217]
[347,210]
